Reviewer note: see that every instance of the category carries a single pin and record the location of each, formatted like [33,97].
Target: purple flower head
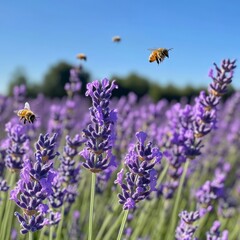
[43,208]
[140,179]
[99,133]
[119,179]
[75,142]
[189,217]
[18,146]
[215,234]
[3,185]
[129,204]
[28,196]
[141,136]
[54,218]
[45,146]
[74,84]
[185,230]
[57,198]
[32,223]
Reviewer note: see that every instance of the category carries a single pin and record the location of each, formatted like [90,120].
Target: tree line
[57,76]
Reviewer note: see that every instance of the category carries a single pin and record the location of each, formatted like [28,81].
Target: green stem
[90,226]
[51,232]
[163,174]
[112,229]
[149,205]
[115,206]
[2,206]
[122,225]
[103,226]
[177,201]
[8,214]
[42,233]
[59,229]
[235,232]
[30,235]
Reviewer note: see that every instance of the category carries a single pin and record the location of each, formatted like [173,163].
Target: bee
[26,114]
[82,56]
[158,54]
[116,39]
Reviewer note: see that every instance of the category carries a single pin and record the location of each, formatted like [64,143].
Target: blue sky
[38,34]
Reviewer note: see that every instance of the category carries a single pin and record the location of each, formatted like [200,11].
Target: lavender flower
[17,147]
[189,125]
[35,185]
[140,180]
[100,132]
[45,146]
[215,234]
[74,84]
[33,223]
[186,228]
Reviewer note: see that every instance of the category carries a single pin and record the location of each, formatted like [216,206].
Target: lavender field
[101,168]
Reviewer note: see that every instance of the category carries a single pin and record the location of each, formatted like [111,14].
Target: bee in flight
[26,114]
[82,56]
[116,39]
[158,54]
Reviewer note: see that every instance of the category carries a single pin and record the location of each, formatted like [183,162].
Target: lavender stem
[30,235]
[91,206]
[176,203]
[8,211]
[122,225]
[59,229]
[51,233]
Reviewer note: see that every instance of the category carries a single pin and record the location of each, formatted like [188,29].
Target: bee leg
[157,60]
[24,121]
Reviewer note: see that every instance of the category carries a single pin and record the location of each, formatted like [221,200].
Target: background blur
[39,42]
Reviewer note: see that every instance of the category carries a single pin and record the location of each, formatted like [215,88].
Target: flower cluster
[190,124]
[35,185]
[17,146]
[186,228]
[74,84]
[215,233]
[211,191]
[140,179]
[100,132]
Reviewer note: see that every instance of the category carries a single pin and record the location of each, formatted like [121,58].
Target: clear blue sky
[37,34]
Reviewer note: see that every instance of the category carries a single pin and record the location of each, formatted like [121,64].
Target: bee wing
[27,106]
[152,49]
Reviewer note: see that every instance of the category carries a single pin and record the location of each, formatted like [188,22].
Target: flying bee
[26,114]
[158,54]
[82,56]
[116,39]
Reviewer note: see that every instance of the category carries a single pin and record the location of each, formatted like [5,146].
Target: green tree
[55,80]
[132,83]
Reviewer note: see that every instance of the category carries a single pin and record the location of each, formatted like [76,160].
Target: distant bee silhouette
[158,54]
[26,114]
[116,39]
[82,56]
